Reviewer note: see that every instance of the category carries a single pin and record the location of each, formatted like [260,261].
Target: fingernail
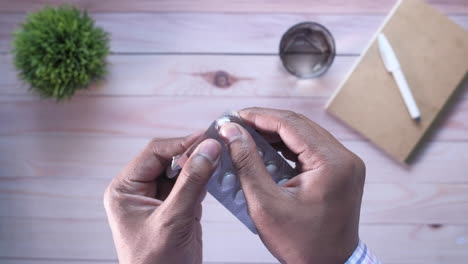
[209,149]
[230,132]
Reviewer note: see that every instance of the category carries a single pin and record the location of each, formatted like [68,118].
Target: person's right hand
[314,217]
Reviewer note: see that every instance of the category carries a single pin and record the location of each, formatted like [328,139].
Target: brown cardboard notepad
[433,53]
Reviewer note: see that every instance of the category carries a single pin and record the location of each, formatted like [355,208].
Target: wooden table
[175,66]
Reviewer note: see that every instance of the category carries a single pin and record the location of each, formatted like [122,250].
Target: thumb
[249,166]
[189,188]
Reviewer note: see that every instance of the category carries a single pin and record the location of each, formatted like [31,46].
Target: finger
[248,164]
[139,176]
[198,212]
[295,130]
[189,188]
[270,137]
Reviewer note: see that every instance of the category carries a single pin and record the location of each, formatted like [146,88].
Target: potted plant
[59,51]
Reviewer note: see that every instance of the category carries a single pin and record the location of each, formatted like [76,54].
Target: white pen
[390,61]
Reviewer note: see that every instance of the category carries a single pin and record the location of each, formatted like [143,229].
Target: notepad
[433,53]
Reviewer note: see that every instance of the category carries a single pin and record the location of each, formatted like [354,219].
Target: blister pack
[224,184]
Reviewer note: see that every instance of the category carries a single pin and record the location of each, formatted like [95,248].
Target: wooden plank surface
[105,261]
[295,6]
[200,75]
[415,203]
[72,261]
[173,57]
[402,243]
[102,157]
[206,33]
[52,261]
[197,75]
[165,116]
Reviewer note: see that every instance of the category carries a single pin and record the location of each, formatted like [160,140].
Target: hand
[314,217]
[152,219]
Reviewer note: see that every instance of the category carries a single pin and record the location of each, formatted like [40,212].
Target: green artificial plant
[59,51]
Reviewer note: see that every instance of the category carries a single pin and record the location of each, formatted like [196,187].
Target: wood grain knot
[435,226]
[220,79]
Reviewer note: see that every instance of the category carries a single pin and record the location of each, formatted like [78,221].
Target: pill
[260,152]
[271,168]
[221,121]
[239,198]
[228,181]
[282,181]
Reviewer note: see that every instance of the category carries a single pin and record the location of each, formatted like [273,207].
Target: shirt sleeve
[362,255]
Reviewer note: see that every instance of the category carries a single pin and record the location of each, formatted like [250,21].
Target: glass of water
[307,50]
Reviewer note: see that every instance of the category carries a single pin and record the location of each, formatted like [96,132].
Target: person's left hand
[152,219]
